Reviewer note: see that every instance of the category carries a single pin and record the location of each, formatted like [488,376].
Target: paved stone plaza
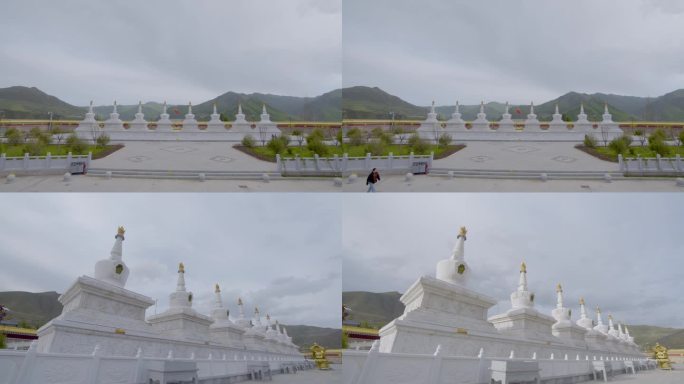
[651,377]
[182,156]
[313,376]
[389,183]
[507,155]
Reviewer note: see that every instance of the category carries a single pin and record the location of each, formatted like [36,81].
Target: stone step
[189,175]
[524,174]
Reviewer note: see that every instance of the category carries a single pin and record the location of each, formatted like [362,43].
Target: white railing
[337,164]
[32,367]
[43,163]
[651,165]
[402,368]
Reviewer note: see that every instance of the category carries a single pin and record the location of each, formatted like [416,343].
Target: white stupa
[582,124]
[215,124]
[441,311]
[564,328]
[88,128]
[532,123]
[506,124]
[607,128]
[557,124]
[189,123]
[113,270]
[139,123]
[265,128]
[456,123]
[481,124]
[113,123]
[594,338]
[223,329]
[241,125]
[164,124]
[254,336]
[430,129]
[523,320]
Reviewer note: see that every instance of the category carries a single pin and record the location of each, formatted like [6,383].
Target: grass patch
[266,154]
[605,153]
[58,150]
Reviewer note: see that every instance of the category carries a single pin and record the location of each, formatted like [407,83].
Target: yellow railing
[23,331]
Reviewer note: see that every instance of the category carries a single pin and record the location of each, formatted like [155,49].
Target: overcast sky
[174,50]
[517,50]
[280,252]
[622,251]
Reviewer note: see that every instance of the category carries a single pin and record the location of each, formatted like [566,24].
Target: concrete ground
[508,155]
[651,377]
[389,183]
[312,376]
[182,156]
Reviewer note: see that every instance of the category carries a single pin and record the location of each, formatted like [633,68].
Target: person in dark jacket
[372,178]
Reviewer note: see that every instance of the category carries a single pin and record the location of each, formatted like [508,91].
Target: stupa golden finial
[181,267]
[523,267]
[121,230]
[581,300]
[559,288]
[462,233]
[598,310]
[256,310]
[239,301]
[268,317]
[610,317]
[217,289]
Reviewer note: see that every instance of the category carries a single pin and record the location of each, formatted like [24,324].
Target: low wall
[651,166]
[17,367]
[346,164]
[400,368]
[43,164]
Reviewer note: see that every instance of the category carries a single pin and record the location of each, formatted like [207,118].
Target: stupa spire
[610,323]
[559,296]
[482,106]
[531,108]
[458,252]
[239,108]
[457,111]
[556,108]
[599,321]
[114,107]
[140,106]
[432,108]
[506,108]
[117,249]
[218,303]
[90,108]
[522,281]
[605,108]
[164,107]
[582,108]
[583,311]
[214,108]
[263,109]
[241,308]
[180,285]
[189,107]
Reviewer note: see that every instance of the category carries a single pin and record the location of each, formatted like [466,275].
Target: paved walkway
[313,376]
[389,183]
[182,156]
[651,377]
[507,155]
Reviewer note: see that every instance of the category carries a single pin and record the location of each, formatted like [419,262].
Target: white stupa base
[480,126]
[217,126]
[506,125]
[570,333]
[136,125]
[526,323]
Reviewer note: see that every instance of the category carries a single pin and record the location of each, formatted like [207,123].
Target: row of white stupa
[189,124]
[436,306]
[100,311]
[506,124]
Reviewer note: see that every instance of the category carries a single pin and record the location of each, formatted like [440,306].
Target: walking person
[372,178]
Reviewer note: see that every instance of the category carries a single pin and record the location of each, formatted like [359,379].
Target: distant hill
[374,308]
[34,308]
[373,103]
[379,309]
[31,103]
[39,308]
[305,335]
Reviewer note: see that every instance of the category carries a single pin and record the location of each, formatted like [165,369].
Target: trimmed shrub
[102,140]
[277,144]
[376,148]
[658,135]
[589,141]
[316,146]
[659,147]
[248,141]
[34,148]
[444,140]
[418,145]
[618,145]
[76,145]
[14,137]
[316,135]
[355,137]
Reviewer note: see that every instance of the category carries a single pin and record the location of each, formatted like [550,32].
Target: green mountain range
[32,103]
[378,309]
[373,103]
[37,309]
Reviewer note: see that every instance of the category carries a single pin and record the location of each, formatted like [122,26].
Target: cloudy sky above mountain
[619,251]
[518,50]
[157,50]
[281,252]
